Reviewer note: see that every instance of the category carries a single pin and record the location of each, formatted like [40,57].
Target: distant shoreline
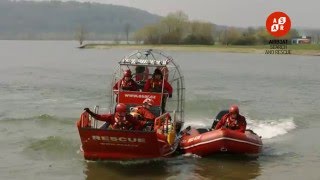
[303,49]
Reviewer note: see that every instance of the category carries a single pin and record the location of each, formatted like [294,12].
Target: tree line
[176,28]
[58,20]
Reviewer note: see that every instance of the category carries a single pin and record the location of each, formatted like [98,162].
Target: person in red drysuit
[120,119]
[126,83]
[155,83]
[144,111]
[233,120]
[142,73]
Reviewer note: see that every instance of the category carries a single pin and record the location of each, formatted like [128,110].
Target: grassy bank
[305,49]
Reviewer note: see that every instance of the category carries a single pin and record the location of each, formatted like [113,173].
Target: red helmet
[121,108]
[148,101]
[127,73]
[234,109]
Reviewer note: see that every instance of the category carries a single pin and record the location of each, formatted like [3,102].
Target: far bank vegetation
[176,28]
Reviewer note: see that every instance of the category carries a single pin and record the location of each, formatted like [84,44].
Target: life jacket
[144,113]
[120,124]
[126,85]
[155,85]
[231,123]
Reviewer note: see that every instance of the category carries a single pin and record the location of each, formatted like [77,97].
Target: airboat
[157,140]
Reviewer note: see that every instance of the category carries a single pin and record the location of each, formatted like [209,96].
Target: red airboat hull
[108,144]
[121,145]
[221,141]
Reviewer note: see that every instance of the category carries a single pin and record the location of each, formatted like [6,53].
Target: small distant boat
[204,142]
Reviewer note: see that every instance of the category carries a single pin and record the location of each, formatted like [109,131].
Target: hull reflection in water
[217,167]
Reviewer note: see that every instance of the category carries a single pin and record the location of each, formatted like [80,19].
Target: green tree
[148,35]
[200,33]
[263,36]
[173,27]
[230,35]
[127,27]
[81,34]
[292,34]
[248,37]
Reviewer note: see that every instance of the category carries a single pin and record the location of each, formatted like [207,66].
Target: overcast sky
[242,13]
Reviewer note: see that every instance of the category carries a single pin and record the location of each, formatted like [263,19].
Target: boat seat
[218,118]
[105,125]
[155,110]
[203,130]
[141,84]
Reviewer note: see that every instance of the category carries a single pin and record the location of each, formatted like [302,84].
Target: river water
[45,85]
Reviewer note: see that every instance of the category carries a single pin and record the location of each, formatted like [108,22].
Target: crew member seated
[233,120]
[155,84]
[126,83]
[141,76]
[143,112]
[120,119]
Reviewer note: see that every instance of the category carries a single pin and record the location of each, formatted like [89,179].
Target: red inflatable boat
[204,142]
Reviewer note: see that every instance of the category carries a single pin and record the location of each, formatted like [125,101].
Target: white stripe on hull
[222,138]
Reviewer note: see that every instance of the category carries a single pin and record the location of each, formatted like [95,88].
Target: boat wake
[50,147]
[271,128]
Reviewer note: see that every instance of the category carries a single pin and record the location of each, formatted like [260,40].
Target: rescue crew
[142,73]
[126,83]
[143,112]
[155,84]
[233,120]
[120,119]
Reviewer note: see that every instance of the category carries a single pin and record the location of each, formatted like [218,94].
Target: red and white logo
[278,24]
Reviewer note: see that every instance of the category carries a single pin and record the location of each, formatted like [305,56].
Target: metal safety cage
[147,61]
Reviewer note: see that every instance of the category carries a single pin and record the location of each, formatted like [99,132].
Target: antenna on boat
[148,52]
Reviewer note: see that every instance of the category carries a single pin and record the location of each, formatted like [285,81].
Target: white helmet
[148,101]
